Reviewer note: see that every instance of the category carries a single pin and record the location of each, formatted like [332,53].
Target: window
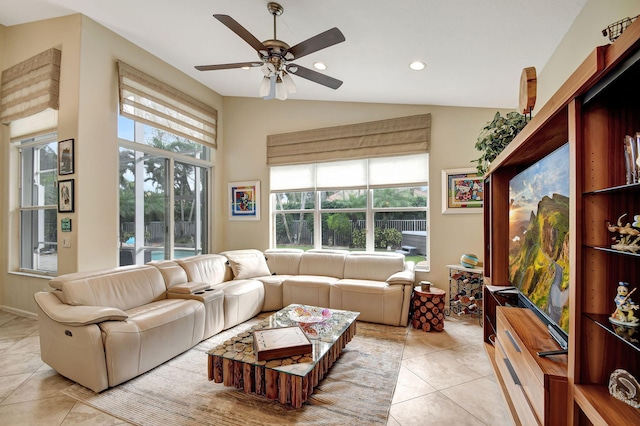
[364,204]
[164,181]
[38,203]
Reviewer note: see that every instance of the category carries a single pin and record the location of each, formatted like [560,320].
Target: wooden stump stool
[428,309]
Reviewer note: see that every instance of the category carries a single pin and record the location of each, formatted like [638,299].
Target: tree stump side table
[427,309]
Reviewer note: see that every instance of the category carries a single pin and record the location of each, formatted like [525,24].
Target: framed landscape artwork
[462,191]
[244,200]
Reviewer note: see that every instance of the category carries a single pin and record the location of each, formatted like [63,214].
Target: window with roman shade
[29,94]
[148,100]
[367,190]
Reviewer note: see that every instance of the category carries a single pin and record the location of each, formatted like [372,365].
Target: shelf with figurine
[465,288]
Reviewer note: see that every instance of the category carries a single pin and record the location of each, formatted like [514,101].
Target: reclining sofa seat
[243,299]
[378,285]
[103,328]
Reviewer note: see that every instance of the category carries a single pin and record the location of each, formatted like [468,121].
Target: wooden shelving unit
[593,111]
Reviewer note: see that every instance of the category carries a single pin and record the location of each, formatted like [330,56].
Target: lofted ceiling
[474,50]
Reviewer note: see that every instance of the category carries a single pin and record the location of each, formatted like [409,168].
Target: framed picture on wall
[244,200]
[65,196]
[65,157]
[462,191]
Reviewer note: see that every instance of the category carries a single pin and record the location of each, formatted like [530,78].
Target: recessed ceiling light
[417,65]
[320,66]
[245,68]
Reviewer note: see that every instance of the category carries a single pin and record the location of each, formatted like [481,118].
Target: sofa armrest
[76,315]
[403,277]
[188,287]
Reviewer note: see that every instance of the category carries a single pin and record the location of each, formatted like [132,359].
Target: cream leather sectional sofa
[103,328]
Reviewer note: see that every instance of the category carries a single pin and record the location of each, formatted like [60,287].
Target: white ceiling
[474,50]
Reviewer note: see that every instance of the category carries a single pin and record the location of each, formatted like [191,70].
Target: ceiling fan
[276,56]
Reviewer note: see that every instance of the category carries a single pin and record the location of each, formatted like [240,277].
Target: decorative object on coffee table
[428,309]
[308,318]
[283,342]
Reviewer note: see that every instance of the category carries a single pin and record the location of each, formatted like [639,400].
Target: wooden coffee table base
[262,380]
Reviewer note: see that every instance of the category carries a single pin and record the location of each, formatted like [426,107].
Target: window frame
[171,158]
[21,143]
[369,210]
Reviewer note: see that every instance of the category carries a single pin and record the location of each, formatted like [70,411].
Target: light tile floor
[445,379]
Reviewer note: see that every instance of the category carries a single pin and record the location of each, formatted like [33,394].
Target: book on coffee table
[283,342]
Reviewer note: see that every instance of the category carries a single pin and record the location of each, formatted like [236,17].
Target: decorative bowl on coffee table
[308,317]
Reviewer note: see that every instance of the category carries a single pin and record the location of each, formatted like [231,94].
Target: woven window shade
[384,138]
[30,87]
[150,101]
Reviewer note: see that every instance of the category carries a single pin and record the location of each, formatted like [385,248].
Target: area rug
[357,390]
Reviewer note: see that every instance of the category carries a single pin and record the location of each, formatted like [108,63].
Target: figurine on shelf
[624,315]
[628,238]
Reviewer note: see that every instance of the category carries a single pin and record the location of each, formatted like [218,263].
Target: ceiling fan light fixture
[288,83]
[281,90]
[319,66]
[417,65]
[265,87]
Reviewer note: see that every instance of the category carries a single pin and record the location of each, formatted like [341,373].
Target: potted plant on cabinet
[495,137]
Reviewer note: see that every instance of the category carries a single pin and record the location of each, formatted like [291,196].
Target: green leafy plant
[495,137]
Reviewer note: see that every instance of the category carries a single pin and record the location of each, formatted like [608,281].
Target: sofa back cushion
[284,261]
[329,263]
[205,268]
[123,288]
[172,273]
[372,266]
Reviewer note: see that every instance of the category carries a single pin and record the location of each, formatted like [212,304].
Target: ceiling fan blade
[318,42]
[228,66]
[314,76]
[234,26]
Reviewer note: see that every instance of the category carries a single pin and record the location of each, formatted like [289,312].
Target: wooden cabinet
[593,111]
[537,385]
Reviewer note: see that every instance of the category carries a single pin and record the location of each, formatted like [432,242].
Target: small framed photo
[462,191]
[65,196]
[65,157]
[244,200]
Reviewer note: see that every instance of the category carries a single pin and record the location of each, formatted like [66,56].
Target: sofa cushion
[243,300]
[285,261]
[376,301]
[122,288]
[307,290]
[323,263]
[372,266]
[204,268]
[273,292]
[247,264]
[153,333]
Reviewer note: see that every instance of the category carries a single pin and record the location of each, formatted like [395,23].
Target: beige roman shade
[150,101]
[384,138]
[30,87]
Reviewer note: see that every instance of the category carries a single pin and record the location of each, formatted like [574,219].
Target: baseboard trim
[18,312]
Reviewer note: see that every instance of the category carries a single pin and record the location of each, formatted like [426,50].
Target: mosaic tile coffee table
[289,380]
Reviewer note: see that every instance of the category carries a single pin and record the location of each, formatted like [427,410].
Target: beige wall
[453,135]
[584,36]
[88,113]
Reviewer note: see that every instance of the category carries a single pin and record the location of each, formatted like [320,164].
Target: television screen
[539,237]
